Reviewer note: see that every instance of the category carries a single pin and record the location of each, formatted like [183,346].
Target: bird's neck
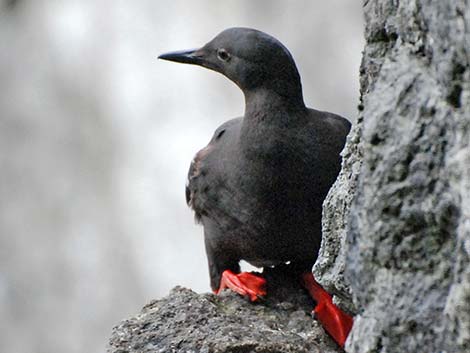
[267,114]
[262,102]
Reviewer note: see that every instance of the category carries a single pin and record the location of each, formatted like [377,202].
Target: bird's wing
[205,175]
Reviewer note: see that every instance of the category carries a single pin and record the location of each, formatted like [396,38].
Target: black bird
[258,186]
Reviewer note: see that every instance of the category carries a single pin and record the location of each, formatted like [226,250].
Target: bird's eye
[223,55]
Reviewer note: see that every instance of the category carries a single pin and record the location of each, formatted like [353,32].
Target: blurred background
[96,137]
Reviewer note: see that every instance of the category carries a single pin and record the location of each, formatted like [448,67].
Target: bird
[258,187]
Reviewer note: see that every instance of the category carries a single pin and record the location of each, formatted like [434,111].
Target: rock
[185,321]
[331,263]
[397,224]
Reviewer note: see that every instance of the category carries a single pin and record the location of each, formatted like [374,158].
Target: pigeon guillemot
[258,186]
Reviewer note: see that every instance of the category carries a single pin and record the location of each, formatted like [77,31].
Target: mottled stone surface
[331,263]
[404,215]
[185,321]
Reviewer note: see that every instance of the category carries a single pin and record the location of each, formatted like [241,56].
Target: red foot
[245,283]
[335,321]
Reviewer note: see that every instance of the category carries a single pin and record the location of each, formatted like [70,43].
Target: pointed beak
[193,56]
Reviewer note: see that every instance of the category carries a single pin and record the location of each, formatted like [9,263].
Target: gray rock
[397,228]
[185,321]
[331,263]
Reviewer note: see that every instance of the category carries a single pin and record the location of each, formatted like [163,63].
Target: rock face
[185,321]
[403,215]
[331,263]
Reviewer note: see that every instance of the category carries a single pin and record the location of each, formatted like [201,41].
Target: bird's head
[250,58]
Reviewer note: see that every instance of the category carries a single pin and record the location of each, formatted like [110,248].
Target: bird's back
[263,201]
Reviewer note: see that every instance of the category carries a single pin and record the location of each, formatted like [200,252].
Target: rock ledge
[185,321]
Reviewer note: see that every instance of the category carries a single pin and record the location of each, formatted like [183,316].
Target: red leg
[335,321]
[245,283]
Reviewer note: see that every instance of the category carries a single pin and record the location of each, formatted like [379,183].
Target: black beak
[193,56]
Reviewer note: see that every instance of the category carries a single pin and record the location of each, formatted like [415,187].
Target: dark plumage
[258,186]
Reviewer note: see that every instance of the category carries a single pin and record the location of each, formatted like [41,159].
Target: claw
[335,321]
[245,284]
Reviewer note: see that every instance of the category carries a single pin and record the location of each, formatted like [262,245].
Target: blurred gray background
[96,137]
